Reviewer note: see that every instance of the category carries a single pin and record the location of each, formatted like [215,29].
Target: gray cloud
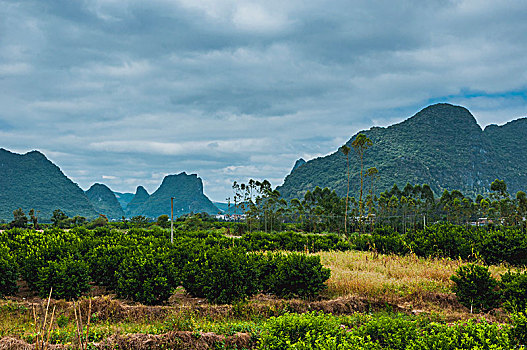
[124,92]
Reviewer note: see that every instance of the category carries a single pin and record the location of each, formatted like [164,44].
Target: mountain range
[31,181]
[442,145]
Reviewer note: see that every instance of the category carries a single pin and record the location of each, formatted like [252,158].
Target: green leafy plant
[475,287]
[222,276]
[519,329]
[144,277]
[295,275]
[513,288]
[8,271]
[68,277]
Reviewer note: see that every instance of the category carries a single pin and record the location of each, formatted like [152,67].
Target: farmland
[212,290]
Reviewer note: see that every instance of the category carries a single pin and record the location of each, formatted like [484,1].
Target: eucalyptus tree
[360,145]
[346,151]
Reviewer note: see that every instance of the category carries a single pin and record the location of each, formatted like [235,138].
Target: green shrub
[475,287]
[505,245]
[389,241]
[222,276]
[144,276]
[287,331]
[68,277]
[295,275]
[35,249]
[396,332]
[8,271]
[104,261]
[519,329]
[513,287]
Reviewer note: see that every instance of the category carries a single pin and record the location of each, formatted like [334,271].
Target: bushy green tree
[513,289]
[222,276]
[162,221]
[8,271]
[19,219]
[68,277]
[295,275]
[145,276]
[475,287]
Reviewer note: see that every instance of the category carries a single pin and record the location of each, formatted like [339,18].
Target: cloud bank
[125,92]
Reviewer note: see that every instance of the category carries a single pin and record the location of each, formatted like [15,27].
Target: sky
[124,92]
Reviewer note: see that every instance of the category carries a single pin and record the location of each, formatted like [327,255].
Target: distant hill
[104,201]
[140,197]
[31,181]
[123,198]
[442,145]
[226,209]
[221,206]
[187,191]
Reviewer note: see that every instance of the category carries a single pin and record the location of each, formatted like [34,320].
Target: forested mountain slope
[104,201]
[442,145]
[31,181]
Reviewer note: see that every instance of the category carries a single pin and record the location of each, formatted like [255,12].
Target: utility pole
[172,220]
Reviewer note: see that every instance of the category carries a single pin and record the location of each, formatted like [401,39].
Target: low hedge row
[327,332]
[494,245]
[143,266]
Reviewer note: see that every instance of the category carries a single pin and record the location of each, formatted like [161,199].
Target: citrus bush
[475,287]
[222,276]
[145,277]
[295,275]
[8,271]
[68,277]
[513,289]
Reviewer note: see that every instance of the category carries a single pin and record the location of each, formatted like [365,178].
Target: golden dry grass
[389,276]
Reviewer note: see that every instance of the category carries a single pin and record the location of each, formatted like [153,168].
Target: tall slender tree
[360,145]
[346,151]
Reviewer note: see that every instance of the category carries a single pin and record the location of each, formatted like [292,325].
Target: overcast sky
[124,92]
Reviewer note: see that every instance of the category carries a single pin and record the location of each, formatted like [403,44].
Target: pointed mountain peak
[298,163]
[140,190]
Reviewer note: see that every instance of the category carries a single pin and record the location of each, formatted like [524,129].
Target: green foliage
[162,221]
[292,241]
[8,271]
[300,331]
[494,246]
[101,221]
[295,275]
[35,249]
[475,287]
[59,219]
[139,221]
[519,330]
[145,277]
[68,277]
[396,332]
[19,219]
[513,288]
[505,244]
[222,276]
